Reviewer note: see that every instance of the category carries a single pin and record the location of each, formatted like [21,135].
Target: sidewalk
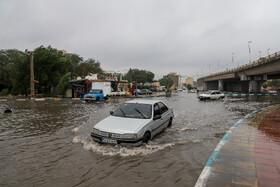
[249,154]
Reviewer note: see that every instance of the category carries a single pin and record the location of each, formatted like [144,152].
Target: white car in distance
[133,123]
[211,94]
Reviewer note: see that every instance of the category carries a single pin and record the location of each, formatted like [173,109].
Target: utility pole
[268,51]
[249,51]
[32,74]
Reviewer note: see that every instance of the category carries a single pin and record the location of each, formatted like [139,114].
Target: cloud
[158,35]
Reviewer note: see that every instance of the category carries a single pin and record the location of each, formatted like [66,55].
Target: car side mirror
[157,117]
[111,112]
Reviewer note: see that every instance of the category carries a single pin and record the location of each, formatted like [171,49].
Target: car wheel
[146,137]
[170,122]
[106,98]
[97,98]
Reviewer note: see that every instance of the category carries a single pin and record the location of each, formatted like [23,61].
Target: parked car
[145,92]
[133,123]
[211,94]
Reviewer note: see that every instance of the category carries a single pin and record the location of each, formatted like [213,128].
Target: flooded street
[48,143]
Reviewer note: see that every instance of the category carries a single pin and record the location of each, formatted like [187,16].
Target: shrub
[64,83]
[4,92]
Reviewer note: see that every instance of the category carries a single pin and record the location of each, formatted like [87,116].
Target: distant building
[63,52]
[189,80]
[176,79]
[194,83]
[91,76]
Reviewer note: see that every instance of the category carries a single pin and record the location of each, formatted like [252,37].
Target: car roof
[142,101]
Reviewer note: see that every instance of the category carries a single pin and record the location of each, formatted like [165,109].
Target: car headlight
[129,136]
[95,131]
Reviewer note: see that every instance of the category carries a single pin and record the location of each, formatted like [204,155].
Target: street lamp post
[32,75]
[249,50]
[268,51]
[260,54]
[232,59]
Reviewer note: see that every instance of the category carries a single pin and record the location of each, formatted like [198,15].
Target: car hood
[204,95]
[121,125]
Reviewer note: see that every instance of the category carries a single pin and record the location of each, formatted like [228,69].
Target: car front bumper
[203,98]
[90,99]
[124,142]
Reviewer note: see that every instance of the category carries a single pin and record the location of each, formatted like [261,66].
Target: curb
[201,181]
[242,95]
[40,99]
[74,99]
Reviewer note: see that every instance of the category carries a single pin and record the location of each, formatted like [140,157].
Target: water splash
[117,150]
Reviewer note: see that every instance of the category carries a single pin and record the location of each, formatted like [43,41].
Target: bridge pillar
[205,86]
[255,86]
[221,85]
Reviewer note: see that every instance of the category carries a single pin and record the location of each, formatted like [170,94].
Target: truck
[100,90]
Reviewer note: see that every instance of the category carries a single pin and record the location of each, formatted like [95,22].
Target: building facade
[189,80]
[176,79]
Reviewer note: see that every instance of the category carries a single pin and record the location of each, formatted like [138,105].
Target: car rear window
[134,110]
[162,107]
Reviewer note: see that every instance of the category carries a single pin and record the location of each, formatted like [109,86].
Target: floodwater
[47,143]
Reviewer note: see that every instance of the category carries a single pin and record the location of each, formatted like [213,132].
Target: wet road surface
[48,143]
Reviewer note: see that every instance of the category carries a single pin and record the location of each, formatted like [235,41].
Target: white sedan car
[133,123]
[211,94]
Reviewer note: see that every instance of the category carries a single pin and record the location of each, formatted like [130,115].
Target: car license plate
[111,141]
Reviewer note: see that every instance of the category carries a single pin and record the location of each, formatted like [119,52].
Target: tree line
[50,67]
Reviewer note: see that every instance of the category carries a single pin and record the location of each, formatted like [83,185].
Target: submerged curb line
[242,95]
[201,181]
[75,99]
[40,99]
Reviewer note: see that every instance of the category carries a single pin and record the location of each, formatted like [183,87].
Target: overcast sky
[162,36]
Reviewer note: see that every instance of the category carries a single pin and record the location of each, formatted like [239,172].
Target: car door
[219,95]
[155,126]
[165,114]
[213,95]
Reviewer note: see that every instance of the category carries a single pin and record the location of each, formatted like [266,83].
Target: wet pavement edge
[238,157]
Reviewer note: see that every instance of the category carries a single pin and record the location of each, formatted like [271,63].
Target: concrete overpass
[245,78]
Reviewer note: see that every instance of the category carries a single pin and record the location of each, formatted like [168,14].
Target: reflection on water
[48,143]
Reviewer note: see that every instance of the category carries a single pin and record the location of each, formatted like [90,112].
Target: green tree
[139,76]
[74,61]
[20,74]
[89,66]
[7,60]
[189,87]
[265,85]
[167,82]
[14,71]
[64,83]
[49,66]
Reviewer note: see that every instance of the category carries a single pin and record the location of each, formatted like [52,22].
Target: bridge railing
[249,65]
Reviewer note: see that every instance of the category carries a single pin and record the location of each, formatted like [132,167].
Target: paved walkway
[248,155]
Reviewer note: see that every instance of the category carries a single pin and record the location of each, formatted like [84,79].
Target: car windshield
[134,110]
[208,92]
[95,91]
